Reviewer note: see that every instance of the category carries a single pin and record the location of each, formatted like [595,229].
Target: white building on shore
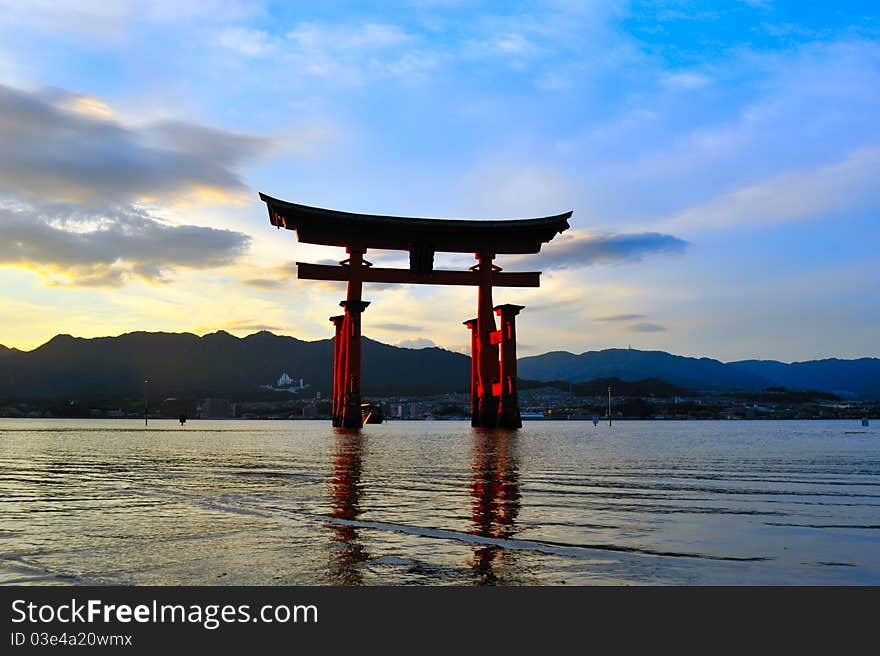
[287,384]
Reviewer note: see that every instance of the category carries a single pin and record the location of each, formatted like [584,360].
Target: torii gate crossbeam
[406,276]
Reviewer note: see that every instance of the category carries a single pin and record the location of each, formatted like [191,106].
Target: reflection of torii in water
[495,502]
[345,490]
[495,497]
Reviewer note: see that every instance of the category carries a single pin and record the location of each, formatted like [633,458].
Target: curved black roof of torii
[315,225]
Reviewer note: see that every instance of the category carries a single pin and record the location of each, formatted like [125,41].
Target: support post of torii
[487,348]
[475,372]
[338,322]
[348,402]
[494,386]
[508,404]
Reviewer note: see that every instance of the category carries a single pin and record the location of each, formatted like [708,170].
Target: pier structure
[494,394]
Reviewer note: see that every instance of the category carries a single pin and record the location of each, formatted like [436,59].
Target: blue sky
[721,159]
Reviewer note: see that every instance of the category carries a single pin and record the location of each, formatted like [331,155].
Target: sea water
[437,503]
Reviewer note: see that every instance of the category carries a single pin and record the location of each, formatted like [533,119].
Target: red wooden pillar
[350,400]
[337,366]
[475,381]
[487,352]
[351,391]
[508,404]
[342,377]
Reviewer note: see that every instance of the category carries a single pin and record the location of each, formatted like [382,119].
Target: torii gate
[494,392]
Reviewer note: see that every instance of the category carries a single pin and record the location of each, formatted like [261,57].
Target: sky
[722,160]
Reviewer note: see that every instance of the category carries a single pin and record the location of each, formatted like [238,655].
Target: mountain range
[847,378]
[183,364]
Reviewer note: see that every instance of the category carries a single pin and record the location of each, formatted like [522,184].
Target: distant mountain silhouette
[859,377]
[846,377]
[183,364]
[630,364]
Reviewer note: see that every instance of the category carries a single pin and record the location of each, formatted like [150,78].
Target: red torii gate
[494,394]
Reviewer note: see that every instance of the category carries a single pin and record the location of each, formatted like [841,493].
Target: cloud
[65,147]
[248,42]
[278,277]
[263,283]
[347,53]
[510,44]
[368,36]
[586,249]
[785,110]
[417,343]
[397,327]
[685,80]
[843,186]
[69,246]
[620,317]
[91,20]
[646,328]
[206,143]
[240,326]
[503,187]
[288,269]
[80,103]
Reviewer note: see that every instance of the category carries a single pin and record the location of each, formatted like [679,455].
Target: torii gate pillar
[508,406]
[487,347]
[475,372]
[338,323]
[494,388]
[346,402]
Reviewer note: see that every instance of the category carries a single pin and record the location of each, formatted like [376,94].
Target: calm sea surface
[293,502]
